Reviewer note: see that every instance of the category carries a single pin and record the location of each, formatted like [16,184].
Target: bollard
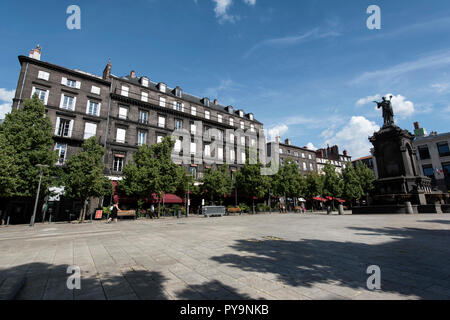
[341,209]
[409,208]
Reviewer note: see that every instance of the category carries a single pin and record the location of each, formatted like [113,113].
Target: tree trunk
[159,206]
[83,211]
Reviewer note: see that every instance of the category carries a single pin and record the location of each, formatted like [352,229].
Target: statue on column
[388,111]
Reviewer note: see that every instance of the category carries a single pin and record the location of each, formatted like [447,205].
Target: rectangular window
[123,112]
[43,75]
[144,96]
[125,90]
[309,156]
[178,124]
[428,171]
[304,166]
[161,122]
[68,102]
[232,138]
[281,151]
[118,163]
[159,138]
[252,128]
[93,108]
[177,146]
[219,135]
[220,153]
[193,171]
[243,157]
[71,83]
[219,118]
[95,90]
[303,156]
[250,116]
[62,151]
[424,153]
[142,138]
[120,135]
[179,106]
[42,94]
[193,148]
[193,128]
[193,111]
[243,141]
[232,155]
[143,117]
[207,150]
[90,130]
[311,167]
[253,142]
[64,127]
[231,122]
[207,115]
[443,149]
[242,125]
[162,102]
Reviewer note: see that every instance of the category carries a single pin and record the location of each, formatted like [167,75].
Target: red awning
[340,200]
[319,199]
[168,199]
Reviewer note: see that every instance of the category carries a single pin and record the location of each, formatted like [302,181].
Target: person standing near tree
[114,212]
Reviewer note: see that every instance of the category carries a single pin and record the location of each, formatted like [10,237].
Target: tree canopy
[216,183]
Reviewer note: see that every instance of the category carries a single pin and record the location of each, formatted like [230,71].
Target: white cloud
[310,146]
[276,131]
[353,137]
[292,40]
[441,87]
[7,95]
[431,61]
[368,99]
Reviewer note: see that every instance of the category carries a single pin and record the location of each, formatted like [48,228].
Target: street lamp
[188,200]
[41,167]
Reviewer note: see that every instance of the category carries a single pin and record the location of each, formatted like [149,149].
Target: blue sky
[307,69]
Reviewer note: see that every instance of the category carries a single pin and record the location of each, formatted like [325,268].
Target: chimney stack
[418,131]
[216,102]
[132,74]
[36,53]
[287,141]
[416,125]
[345,153]
[107,71]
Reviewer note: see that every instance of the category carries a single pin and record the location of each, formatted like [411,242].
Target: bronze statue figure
[388,112]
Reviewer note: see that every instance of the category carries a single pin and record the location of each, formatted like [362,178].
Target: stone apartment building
[433,155]
[332,155]
[126,112]
[302,156]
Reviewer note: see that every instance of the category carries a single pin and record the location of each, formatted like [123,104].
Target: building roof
[432,137]
[186,96]
[363,158]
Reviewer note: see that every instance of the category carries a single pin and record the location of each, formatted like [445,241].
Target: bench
[126,213]
[234,210]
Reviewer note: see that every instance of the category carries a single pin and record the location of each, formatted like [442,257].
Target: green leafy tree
[250,181]
[84,177]
[289,182]
[333,183]
[366,177]
[352,188]
[26,140]
[314,185]
[152,171]
[216,183]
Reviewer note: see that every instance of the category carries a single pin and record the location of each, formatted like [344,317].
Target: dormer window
[178,92]
[162,87]
[230,109]
[206,102]
[144,81]
[250,116]
[241,113]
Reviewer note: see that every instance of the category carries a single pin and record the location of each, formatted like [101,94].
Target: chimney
[36,53]
[132,74]
[287,141]
[418,131]
[345,153]
[107,71]
[278,139]
[416,125]
[216,102]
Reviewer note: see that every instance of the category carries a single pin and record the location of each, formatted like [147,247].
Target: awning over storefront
[168,199]
[319,199]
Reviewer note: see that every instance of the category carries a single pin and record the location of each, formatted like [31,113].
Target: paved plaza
[269,256]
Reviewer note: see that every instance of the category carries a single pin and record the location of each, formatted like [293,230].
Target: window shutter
[182,107]
[33,92]
[98,109]
[64,81]
[47,93]
[174,105]
[62,101]
[74,103]
[58,120]
[71,128]
[87,107]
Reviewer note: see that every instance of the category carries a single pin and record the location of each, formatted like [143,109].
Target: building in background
[433,155]
[332,155]
[369,162]
[302,156]
[126,112]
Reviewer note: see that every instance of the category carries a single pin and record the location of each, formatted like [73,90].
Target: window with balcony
[143,117]
[120,135]
[118,163]
[142,138]
[179,106]
[62,151]
[424,153]
[93,108]
[219,118]
[90,130]
[443,149]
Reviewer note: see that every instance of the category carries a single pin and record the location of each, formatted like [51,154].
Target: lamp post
[188,199]
[41,167]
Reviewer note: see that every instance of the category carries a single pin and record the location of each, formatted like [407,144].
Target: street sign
[98,214]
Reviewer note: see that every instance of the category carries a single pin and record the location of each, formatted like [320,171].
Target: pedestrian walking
[152,211]
[114,212]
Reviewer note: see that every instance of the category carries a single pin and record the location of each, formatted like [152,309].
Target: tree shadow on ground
[49,282]
[413,262]
[436,221]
